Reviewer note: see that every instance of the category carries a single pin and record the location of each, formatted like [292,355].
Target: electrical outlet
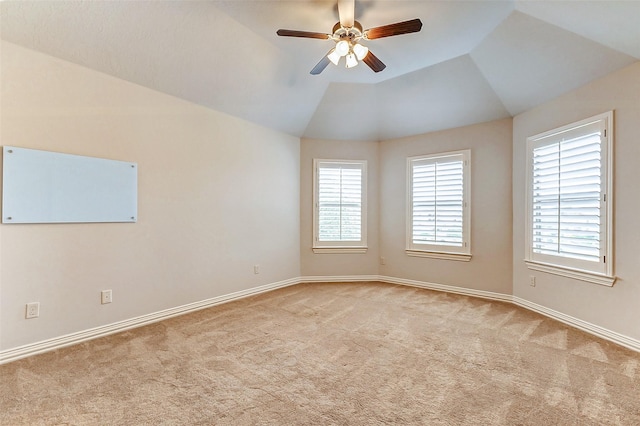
[106,296]
[33,310]
[256,269]
[383,261]
[532,280]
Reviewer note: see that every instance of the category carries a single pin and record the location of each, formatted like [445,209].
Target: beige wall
[216,196]
[315,264]
[490,266]
[615,308]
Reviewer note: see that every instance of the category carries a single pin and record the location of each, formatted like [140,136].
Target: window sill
[576,274]
[341,250]
[461,257]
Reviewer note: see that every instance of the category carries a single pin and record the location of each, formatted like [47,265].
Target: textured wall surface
[216,195]
[490,265]
[338,264]
[615,308]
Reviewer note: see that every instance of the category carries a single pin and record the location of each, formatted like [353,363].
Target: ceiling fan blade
[346,12]
[412,26]
[303,34]
[374,63]
[320,66]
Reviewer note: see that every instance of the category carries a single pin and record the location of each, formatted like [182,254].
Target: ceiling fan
[347,35]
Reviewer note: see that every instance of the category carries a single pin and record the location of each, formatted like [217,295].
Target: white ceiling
[473,61]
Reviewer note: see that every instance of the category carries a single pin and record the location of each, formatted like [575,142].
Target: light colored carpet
[340,354]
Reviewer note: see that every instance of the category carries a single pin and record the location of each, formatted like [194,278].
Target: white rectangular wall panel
[50,187]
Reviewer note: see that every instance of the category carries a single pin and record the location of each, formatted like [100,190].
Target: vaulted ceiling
[473,61]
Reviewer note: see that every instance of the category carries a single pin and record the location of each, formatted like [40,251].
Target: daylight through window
[339,204]
[569,197]
[438,210]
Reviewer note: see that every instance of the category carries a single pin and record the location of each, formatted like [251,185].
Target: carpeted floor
[339,354]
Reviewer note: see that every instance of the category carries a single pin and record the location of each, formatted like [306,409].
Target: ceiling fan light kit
[360,51]
[342,47]
[347,35]
[351,60]
[334,56]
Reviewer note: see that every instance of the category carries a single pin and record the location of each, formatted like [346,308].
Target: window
[438,222]
[339,206]
[569,178]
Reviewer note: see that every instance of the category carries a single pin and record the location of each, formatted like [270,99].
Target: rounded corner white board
[51,187]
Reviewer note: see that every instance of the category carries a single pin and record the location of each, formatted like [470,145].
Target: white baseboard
[593,329]
[338,278]
[85,335]
[449,289]
[105,330]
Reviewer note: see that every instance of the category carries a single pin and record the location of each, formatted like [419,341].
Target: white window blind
[566,198]
[437,203]
[339,203]
[569,181]
[438,206]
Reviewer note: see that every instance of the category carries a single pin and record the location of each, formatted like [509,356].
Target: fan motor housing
[352,34]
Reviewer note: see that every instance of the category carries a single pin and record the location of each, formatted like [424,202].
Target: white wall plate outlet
[106,296]
[33,310]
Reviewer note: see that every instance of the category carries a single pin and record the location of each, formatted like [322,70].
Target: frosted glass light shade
[334,57]
[360,51]
[342,47]
[351,60]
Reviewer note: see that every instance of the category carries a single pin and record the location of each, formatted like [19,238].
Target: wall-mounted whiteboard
[50,187]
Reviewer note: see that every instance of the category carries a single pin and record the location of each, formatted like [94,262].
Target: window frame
[602,271]
[344,247]
[444,252]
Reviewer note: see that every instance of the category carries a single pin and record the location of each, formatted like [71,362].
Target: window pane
[566,195]
[339,203]
[437,202]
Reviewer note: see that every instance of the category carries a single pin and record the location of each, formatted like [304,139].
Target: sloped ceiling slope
[473,61]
